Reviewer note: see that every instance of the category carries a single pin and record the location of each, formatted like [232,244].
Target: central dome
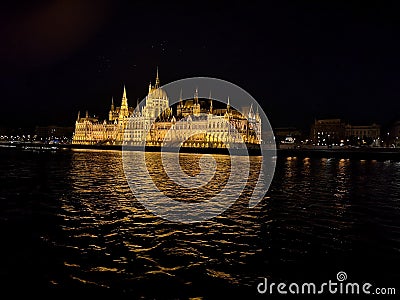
[158,93]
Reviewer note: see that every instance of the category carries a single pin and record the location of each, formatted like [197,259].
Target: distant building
[54,132]
[328,132]
[363,134]
[287,135]
[394,134]
[364,131]
[194,124]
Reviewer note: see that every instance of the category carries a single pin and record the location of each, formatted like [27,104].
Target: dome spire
[157,80]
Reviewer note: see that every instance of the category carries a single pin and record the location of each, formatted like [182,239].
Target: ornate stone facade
[154,124]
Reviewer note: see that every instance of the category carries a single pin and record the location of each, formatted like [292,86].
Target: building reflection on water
[88,230]
[110,239]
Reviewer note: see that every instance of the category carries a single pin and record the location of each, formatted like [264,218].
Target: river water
[69,221]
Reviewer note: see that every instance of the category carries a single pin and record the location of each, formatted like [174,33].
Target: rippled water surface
[69,220]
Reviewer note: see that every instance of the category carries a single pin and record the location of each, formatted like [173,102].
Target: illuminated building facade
[154,124]
[335,132]
[393,135]
[328,132]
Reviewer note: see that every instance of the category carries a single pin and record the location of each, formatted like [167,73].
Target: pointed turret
[196,105]
[112,110]
[228,105]
[87,114]
[124,109]
[180,105]
[196,96]
[257,114]
[251,112]
[180,99]
[211,104]
[79,115]
[124,102]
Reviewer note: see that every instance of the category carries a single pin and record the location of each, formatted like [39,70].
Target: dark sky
[299,61]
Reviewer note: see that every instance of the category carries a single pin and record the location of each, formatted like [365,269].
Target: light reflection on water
[319,217]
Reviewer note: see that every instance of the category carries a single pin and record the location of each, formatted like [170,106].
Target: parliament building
[195,123]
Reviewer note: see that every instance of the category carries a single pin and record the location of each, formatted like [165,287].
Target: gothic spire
[196,96]
[180,99]
[257,114]
[124,102]
[251,112]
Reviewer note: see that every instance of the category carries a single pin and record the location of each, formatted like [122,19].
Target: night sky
[299,61]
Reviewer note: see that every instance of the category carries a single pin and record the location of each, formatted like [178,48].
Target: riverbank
[251,150]
[345,153]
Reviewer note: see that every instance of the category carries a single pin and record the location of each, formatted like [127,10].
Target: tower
[112,110]
[251,112]
[124,110]
[137,109]
[257,115]
[156,100]
[179,111]
[124,102]
[196,105]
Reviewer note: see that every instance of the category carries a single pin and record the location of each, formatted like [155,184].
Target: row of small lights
[28,137]
[341,141]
